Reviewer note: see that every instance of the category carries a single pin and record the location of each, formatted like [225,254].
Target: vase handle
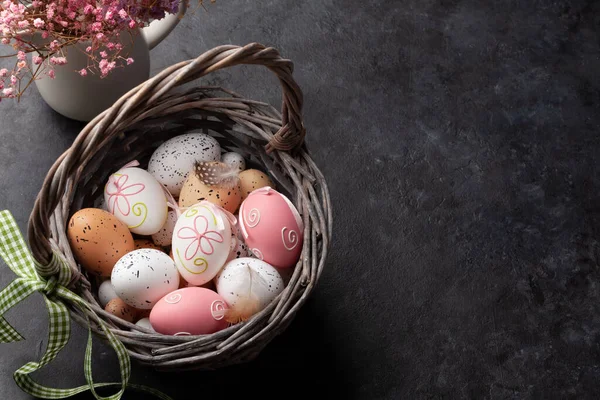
[157,30]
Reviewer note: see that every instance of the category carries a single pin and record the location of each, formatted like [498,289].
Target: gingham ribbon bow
[15,253]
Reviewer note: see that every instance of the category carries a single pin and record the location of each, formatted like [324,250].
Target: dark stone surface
[460,142]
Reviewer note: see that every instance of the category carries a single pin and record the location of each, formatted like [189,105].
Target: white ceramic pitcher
[83,98]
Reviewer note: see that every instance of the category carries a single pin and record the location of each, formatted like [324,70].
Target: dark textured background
[460,141]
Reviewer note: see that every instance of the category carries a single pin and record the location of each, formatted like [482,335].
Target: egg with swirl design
[272,227]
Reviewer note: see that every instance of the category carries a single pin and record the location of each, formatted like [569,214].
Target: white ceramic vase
[83,98]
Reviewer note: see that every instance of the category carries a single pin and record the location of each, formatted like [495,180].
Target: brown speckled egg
[146,244]
[252,179]
[119,308]
[139,314]
[194,191]
[98,239]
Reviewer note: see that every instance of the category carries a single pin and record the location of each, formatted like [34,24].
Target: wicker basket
[138,123]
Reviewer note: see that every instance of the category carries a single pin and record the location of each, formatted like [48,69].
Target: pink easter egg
[272,227]
[189,311]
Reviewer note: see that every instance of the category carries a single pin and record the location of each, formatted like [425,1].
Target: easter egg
[189,311]
[235,160]
[252,179]
[194,191]
[272,227]
[172,161]
[142,277]
[238,248]
[106,292]
[119,308]
[145,323]
[98,239]
[165,234]
[201,242]
[136,199]
[146,244]
[248,285]
[142,313]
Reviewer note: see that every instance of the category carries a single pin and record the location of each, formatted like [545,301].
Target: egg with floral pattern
[272,227]
[136,199]
[201,242]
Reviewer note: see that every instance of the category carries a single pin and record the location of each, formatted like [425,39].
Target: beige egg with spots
[119,308]
[194,191]
[146,244]
[98,240]
[252,179]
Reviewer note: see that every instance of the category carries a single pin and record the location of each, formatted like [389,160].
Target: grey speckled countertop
[460,140]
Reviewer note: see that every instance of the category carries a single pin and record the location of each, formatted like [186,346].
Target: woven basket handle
[292,132]
[289,137]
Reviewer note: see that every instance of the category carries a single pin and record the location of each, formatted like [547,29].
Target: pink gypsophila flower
[8,92]
[5,41]
[51,74]
[3,73]
[83,72]
[103,54]
[129,61]
[58,60]
[132,24]
[23,24]
[45,35]
[122,13]
[21,55]
[89,9]
[13,80]
[88,49]
[37,60]
[38,23]
[21,64]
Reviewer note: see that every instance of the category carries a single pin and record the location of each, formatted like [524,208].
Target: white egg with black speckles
[238,248]
[235,160]
[173,160]
[106,293]
[145,323]
[249,276]
[165,235]
[142,277]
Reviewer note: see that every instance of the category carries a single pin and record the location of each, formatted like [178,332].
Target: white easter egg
[238,248]
[245,277]
[136,199]
[235,160]
[164,236]
[106,293]
[144,276]
[145,323]
[201,242]
[173,160]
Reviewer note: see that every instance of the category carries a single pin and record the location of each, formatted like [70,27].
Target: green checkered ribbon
[15,253]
